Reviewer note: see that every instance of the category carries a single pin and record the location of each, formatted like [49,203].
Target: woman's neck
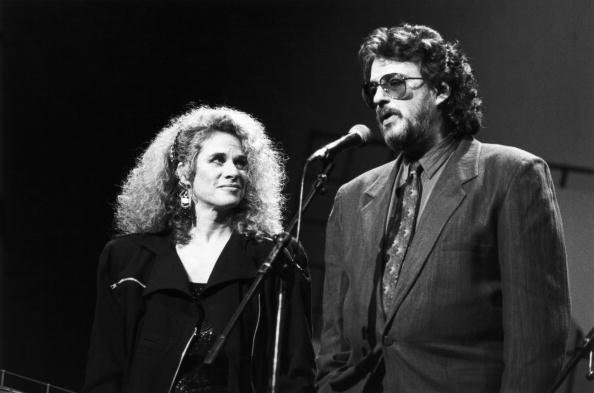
[207,240]
[211,225]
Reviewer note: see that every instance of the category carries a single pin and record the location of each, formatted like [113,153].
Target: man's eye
[395,82]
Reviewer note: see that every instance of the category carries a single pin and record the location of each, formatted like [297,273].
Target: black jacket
[145,317]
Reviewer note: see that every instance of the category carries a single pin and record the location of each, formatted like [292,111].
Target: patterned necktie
[409,205]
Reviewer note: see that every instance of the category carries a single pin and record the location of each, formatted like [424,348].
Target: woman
[195,214]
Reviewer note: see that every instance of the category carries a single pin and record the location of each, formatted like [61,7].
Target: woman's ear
[443,92]
[181,171]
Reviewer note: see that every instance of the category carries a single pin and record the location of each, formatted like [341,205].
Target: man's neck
[437,136]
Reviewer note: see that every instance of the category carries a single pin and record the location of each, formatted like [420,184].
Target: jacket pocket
[154,342]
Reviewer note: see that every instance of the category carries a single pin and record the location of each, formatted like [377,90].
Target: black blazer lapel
[167,272]
[445,198]
[238,261]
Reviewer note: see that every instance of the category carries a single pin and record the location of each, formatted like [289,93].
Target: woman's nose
[229,169]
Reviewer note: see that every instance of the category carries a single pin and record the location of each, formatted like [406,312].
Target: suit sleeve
[106,360]
[334,349]
[534,281]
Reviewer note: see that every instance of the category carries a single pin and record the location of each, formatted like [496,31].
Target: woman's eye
[218,159]
[241,163]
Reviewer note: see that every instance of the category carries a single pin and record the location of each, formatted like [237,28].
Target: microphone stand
[280,242]
[585,349]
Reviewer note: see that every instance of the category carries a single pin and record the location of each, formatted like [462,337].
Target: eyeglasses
[393,85]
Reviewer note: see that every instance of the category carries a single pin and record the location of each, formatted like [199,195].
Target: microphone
[359,134]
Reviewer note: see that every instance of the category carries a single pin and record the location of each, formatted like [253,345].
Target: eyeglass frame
[368,98]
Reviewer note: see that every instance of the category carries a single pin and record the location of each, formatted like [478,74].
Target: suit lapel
[374,208]
[445,198]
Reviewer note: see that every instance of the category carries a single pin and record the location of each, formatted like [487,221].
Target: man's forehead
[381,67]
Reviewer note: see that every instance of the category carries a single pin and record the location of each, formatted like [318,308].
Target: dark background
[86,85]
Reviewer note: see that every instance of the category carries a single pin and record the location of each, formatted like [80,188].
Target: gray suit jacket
[482,300]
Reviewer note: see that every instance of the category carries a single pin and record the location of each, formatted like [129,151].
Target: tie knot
[414,169]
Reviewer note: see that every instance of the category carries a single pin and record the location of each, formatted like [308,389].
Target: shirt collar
[438,155]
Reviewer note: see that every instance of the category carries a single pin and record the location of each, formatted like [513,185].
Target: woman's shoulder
[133,241]
[124,251]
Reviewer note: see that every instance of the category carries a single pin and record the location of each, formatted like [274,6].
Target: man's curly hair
[440,62]
[149,200]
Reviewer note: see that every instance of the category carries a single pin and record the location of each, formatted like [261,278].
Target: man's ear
[181,171]
[443,92]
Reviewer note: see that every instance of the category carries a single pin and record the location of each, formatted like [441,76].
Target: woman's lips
[231,186]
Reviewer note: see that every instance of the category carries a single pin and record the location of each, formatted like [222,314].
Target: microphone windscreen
[363,131]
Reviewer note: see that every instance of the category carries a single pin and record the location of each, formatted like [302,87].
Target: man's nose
[380,96]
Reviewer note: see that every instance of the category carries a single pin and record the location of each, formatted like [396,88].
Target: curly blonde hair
[149,200]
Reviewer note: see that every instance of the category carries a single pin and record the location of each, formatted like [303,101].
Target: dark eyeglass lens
[393,85]
[396,87]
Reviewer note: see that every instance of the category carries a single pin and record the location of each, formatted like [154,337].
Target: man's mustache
[383,113]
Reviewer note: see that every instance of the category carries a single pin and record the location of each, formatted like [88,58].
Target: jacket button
[387,341]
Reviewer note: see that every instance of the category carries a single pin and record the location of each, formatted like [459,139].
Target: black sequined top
[193,376]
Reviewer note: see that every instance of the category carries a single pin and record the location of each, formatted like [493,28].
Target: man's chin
[395,139]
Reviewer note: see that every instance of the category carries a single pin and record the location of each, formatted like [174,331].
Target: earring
[184,199]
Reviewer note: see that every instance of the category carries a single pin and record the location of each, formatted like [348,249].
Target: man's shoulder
[502,157]
[365,179]
[506,153]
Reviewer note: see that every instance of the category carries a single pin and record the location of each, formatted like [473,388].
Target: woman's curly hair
[149,200]
[440,62]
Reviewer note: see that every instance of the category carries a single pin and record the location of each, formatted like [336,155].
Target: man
[445,269]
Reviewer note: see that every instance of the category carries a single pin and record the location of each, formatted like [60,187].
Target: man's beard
[417,135]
